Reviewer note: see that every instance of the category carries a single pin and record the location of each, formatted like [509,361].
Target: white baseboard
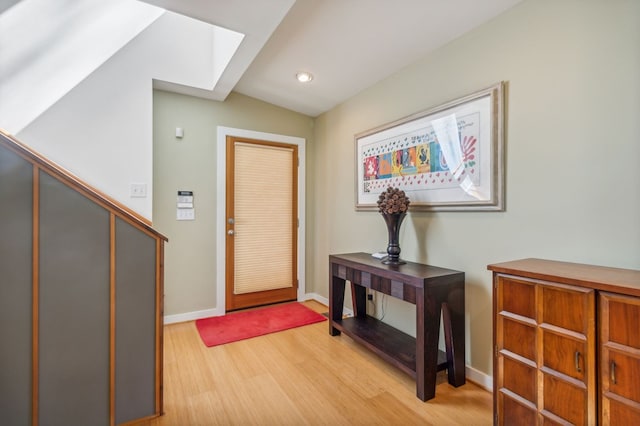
[481,379]
[206,313]
[191,316]
[317,298]
[321,299]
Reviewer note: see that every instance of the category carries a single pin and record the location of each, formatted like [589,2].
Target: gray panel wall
[74,277]
[135,323]
[74,308]
[16,207]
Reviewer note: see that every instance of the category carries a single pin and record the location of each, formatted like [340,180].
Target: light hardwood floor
[297,377]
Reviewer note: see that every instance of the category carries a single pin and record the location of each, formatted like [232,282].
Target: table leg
[453,324]
[359,296]
[427,331]
[336,303]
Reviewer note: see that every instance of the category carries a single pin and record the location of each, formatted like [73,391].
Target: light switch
[185,214]
[138,190]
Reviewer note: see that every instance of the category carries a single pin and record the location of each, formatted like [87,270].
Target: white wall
[102,129]
[572,153]
[48,46]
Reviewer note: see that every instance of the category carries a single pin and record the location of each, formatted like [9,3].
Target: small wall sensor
[179,132]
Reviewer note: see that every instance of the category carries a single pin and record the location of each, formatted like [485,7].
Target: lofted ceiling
[348,45]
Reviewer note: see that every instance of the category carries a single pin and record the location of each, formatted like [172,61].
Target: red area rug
[245,325]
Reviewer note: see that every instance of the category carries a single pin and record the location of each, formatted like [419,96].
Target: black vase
[393,221]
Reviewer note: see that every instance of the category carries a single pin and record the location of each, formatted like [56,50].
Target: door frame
[221,153]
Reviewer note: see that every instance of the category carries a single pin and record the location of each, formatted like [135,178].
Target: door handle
[577,360]
[231,232]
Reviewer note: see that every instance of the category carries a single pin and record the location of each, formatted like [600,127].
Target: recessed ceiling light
[304,77]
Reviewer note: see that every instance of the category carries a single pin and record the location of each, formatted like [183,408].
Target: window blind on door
[263,204]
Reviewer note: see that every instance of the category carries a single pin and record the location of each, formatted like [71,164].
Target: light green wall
[572,157]
[572,152]
[190,164]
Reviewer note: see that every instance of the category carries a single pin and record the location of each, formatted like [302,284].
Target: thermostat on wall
[185,209]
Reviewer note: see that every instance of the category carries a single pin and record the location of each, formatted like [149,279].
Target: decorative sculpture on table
[393,204]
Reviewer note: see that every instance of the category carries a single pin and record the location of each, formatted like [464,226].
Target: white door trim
[221,152]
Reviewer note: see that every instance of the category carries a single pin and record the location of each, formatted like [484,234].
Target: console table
[432,289]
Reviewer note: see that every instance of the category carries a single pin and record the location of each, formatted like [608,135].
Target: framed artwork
[446,158]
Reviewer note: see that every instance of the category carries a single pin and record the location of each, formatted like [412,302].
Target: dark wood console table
[432,289]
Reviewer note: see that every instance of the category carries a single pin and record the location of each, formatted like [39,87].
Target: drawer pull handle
[577,359]
[613,372]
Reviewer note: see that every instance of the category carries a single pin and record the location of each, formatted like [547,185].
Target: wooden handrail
[76,183]
[37,191]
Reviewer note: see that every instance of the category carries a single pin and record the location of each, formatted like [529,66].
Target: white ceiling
[348,45]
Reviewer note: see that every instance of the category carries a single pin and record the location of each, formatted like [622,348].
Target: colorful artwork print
[424,158]
[417,160]
[385,167]
[447,158]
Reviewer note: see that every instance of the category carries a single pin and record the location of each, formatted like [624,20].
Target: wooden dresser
[567,343]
